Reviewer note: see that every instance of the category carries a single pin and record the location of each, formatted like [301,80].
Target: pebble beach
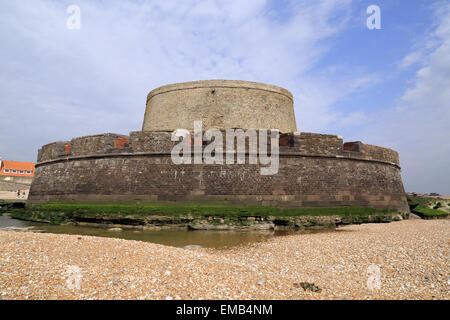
[400,260]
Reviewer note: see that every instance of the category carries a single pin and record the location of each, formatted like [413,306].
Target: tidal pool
[175,238]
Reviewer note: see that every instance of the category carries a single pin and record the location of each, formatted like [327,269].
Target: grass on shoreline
[6,206]
[199,210]
[135,214]
[428,212]
[427,207]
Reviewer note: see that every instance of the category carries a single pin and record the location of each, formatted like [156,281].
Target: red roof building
[16,169]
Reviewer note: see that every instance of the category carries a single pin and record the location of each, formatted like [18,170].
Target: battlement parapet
[294,143]
[99,144]
[380,153]
[51,151]
[151,141]
[318,144]
[83,146]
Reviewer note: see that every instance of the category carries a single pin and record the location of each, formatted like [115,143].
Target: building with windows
[16,172]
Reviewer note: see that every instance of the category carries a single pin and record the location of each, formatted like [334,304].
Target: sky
[387,86]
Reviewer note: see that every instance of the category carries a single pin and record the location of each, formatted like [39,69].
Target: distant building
[17,172]
[434,194]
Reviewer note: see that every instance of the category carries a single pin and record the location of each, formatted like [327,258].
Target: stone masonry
[316,170]
[220,104]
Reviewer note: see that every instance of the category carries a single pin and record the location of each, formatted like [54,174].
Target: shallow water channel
[175,238]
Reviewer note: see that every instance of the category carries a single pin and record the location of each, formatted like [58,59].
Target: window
[28,172]
[14,171]
[6,170]
[21,172]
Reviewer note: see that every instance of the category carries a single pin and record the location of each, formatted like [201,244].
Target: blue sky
[388,87]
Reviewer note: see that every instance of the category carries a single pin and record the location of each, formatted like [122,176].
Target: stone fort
[315,170]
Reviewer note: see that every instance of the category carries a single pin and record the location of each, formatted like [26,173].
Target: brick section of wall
[353,146]
[67,148]
[121,143]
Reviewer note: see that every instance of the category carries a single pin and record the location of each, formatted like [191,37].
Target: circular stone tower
[315,170]
[219,104]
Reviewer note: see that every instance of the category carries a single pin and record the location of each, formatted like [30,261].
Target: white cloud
[411,59]
[419,128]
[64,83]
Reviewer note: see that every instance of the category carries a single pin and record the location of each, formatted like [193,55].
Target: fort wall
[315,170]
[219,104]
[298,143]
